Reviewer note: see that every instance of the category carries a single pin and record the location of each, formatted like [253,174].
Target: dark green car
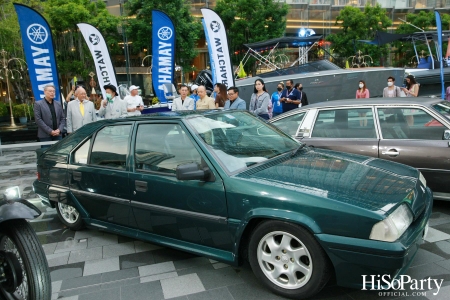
[228,186]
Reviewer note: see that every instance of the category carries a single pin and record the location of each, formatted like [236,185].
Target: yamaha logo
[165,33]
[37,33]
[215,26]
[94,39]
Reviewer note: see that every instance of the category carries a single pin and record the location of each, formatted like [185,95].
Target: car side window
[409,123]
[290,124]
[163,147]
[81,154]
[110,147]
[345,123]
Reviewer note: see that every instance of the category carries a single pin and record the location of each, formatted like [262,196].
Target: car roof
[168,115]
[376,101]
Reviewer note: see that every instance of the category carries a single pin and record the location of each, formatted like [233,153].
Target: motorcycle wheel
[19,238]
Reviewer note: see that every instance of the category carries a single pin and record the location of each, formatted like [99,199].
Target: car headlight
[12,193]
[391,228]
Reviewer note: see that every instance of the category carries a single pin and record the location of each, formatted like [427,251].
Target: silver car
[411,131]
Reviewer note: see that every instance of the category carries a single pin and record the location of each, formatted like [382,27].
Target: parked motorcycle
[24,273]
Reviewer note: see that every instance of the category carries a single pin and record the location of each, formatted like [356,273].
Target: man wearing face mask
[290,97]
[112,107]
[391,90]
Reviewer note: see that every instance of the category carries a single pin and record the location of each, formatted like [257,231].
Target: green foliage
[73,55]
[187,28]
[3,109]
[360,25]
[155,100]
[248,21]
[10,38]
[425,20]
[22,110]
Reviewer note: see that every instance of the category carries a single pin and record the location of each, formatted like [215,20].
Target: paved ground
[91,264]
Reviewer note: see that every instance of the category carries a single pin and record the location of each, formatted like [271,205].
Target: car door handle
[76,175]
[141,186]
[391,152]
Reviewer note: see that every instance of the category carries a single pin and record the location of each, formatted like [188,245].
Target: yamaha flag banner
[211,60]
[220,55]
[103,65]
[441,63]
[163,53]
[39,53]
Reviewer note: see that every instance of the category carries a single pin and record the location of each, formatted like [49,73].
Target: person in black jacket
[49,116]
[303,97]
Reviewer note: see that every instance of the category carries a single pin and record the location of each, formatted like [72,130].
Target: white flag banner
[103,65]
[218,48]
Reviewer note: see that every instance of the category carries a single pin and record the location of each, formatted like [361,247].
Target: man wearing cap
[194,94]
[112,107]
[183,102]
[80,111]
[134,102]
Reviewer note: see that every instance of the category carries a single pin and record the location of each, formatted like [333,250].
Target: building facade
[319,15]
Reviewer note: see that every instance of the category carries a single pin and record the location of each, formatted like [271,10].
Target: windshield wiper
[294,152]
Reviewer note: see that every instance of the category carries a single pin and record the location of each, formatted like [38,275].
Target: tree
[73,55]
[360,25]
[187,28]
[244,26]
[425,21]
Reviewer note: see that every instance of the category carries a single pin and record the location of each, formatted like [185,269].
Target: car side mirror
[447,134]
[192,171]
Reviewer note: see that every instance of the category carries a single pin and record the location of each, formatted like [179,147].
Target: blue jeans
[48,139]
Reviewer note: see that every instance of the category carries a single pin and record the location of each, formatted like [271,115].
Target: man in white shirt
[183,102]
[134,102]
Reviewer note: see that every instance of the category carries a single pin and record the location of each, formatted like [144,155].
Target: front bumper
[353,258]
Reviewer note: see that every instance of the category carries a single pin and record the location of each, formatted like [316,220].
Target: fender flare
[17,209]
[277,215]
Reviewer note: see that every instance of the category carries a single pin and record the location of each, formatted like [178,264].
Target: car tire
[288,259]
[70,216]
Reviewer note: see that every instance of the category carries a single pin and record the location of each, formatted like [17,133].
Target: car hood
[366,182]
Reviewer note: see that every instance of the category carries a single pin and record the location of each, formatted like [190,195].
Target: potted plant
[21,111]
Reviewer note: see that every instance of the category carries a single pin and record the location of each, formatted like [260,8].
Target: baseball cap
[111,87]
[133,87]
[194,87]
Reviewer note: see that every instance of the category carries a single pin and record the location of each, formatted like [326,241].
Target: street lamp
[151,63]
[6,72]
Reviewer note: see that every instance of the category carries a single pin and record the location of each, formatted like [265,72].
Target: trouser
[264,116]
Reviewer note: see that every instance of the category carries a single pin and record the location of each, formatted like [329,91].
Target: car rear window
[71,141]
[443,107]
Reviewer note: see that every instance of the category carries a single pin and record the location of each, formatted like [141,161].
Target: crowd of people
[262,104]
[54,121]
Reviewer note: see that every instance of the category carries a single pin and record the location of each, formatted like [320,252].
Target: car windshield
[443,107]
[240,140]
